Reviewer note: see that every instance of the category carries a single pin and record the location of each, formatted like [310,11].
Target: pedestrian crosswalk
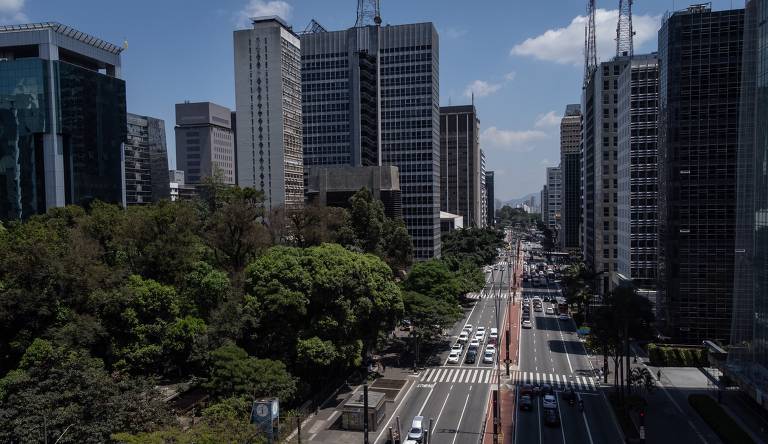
[459,375]
[559,382]
[494,295]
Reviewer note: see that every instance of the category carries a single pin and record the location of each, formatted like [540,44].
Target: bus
[561,307]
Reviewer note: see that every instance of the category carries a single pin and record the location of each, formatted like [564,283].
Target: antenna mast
[590,46]
[624,32]
[368,13]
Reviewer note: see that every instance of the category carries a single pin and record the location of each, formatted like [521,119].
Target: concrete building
[698,139]
[599,154]
[544,208]
[490,197]
[554,200]
[179,189]
[269,113]
[460,163]
[63,119]
[450,222]
[371,97]
[747,361]
[483,221]
[204,141]
[570,141]
[638,173]
[146,161]
[334,186]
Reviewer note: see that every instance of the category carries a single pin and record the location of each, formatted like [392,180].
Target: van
[417,429]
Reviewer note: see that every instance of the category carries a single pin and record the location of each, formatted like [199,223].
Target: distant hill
[514,202]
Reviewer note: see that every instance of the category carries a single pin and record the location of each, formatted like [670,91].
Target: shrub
[721,422]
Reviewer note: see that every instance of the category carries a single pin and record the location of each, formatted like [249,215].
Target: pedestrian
[383,367]
[658,375]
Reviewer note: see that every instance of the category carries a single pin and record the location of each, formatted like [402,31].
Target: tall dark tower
[624,31]
[590,46]
[368,13]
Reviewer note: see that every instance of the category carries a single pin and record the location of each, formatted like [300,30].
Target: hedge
[721,422]
[663,356]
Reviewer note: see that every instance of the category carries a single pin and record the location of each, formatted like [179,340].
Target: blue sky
[522,59]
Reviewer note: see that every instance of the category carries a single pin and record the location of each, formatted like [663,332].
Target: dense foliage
[663,356]
[508,216]
[477,245]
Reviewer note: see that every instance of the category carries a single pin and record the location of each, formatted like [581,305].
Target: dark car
[536,390]
[551,417]
[525,402]
[471,356]
[546,389]
[526,390]
[569,395]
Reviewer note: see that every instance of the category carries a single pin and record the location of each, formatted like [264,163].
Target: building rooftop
[65,31]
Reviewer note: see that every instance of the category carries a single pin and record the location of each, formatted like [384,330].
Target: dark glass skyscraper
[62,119]
[570,140]
[700,53]
[490,197]
[748,352]
[460,161]
[146,161]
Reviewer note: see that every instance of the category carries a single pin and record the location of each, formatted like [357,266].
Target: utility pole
[365,411]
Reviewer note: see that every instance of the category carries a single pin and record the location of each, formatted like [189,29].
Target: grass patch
[721,422]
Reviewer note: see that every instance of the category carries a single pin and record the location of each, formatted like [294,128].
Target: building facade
[554,200]
[334,186]
[747,362]
[204,142]
[570,141]
[490,197]
[698,138]
[146,161]
[544,208]
[460,164]
[371,97]
[268,99]
[63,116]
[638,173]
[599,171]
[483,222]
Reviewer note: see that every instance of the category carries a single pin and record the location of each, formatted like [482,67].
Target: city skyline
[532,60]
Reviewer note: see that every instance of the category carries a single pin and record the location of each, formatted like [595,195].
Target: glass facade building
[700,56]
[461,164]
[490,197]
[146,161]
[570,140]
[748,352]
[63,117]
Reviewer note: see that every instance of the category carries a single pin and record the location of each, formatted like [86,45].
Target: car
[457,347]
[527,323]
[527,310]
[481,330]
[417,429]
[549,401]
[488,356]
[537,308]
[494,334]
[471,356]
[526,389]
[550,311]
[551,417]
[569,395]
[463,337]
[525,402]
[468,328]
[480,336]
[490,347]
[547,389]
[454,357]
[563,317]
[474,344]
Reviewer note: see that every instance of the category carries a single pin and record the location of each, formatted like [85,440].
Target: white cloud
[260,8]
[566,45]
[520,141]
[11,11]
[481,88]
[510,76]
[548,120]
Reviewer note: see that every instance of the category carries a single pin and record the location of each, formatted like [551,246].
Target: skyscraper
[269,116]
[146,161]
[544,198]
[570,140]
[371,80]
[748,352]
[599,167]
[204,142]
[460,163]
[63,119]
[483,222]
[490,196]
[638,173]
[700,74]
[554,199]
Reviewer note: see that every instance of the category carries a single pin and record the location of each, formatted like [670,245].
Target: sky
[522,59]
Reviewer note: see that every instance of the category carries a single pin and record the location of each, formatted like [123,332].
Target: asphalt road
[551,353]
[455,396]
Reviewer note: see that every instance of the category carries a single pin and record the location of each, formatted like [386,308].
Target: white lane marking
[474,376]
[586,423]
[425,400]
[443,377]
[458,426]
[394,413]
[426,375]
[441,411]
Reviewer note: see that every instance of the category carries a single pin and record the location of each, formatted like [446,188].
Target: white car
[481,330]
[454,357]
[550,402]
[490,347]
[550,311]
[468,328]
[457,348]
[494,334]
[463,337]
[488,356]
[563,317]
[474,344]
[480,336]
[527,324]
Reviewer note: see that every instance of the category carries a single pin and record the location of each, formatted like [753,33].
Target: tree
[397,245]
[56,389]
[434,279]
[430,316]
[233,372]
[479,245]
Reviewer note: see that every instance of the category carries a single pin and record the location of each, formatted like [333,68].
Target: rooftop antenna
[624,32]
[590,46]
[368,13]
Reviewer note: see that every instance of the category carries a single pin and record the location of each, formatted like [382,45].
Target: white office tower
[268,104]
